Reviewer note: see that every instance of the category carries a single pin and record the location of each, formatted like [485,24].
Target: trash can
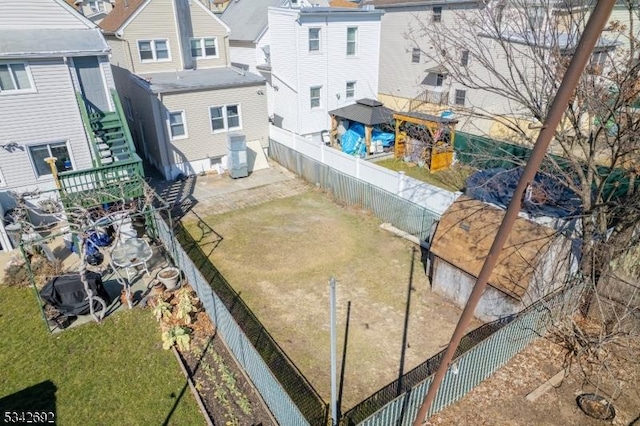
[237,147]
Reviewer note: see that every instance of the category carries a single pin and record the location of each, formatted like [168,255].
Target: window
[439,80]
[14,77]
[206,47]
[460,97]
[154,50]
[97,6]
[177,125]
[314,39]
[314,93]
[352,35]
[597,62]
[464,58]
[351,89]
[128,109]
[225,118]
[58,150]
[437,14]
[415,55]
[536,17]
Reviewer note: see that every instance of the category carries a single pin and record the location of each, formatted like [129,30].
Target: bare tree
[510,58]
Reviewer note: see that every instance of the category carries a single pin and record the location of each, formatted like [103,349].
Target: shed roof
[465,235]
[51,42]
[204,79]
[122,10]
[247,20]
[366,111]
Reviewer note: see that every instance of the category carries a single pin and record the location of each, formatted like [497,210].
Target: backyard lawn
[112,373]
[453,179]
[280,256]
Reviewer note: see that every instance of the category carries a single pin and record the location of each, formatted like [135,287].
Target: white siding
[243,55]
[298,69]
[49,115]
[34,14]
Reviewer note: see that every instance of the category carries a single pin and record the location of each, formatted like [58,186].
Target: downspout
[165,139]
[298,73]
[326,26]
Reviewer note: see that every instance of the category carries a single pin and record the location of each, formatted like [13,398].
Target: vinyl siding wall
[49,115]
[329,68]
[202,143]
[243,55]
[34,14]
[205,25]
[155,21]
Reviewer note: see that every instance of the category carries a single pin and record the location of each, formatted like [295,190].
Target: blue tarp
[547,196]
[352,141]
[387,139]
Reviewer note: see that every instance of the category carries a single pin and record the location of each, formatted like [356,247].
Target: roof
[121,12]
[203,79]
[321,10]
[51,42]
[366,111]
[381,4]
[247,19]
[427,117]
[465,235]
[342,3]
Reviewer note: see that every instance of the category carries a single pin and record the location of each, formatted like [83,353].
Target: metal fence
[289,396]
[480,354]
[401,213]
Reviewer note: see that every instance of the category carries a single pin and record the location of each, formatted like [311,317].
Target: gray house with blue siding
[55,77]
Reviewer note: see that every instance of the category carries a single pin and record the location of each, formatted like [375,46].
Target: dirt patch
[280,255]
[502,396]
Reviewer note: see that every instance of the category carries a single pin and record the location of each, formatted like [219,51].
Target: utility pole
[581,57]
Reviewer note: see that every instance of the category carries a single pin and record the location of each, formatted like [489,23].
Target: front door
[91,83]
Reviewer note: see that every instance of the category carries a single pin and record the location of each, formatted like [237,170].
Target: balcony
[437,97]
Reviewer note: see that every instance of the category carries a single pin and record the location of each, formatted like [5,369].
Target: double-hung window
[315,93]
[97,6]
[436,14]
[58,150]
[314,39]
[14,77]
[205,47]
[351,89]
[225,118]
[177,125]
[415,55]
[460,97]
[154,50]
[352,38]
[464,58]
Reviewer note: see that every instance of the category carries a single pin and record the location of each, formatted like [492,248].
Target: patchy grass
[453,179]
[110,373]
[280,256]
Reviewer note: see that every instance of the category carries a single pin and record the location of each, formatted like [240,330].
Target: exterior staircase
[112,142]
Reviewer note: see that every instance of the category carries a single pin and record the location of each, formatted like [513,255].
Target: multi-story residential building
[95,10]
[171,61]
[321,58]
[57,102]
[414,76]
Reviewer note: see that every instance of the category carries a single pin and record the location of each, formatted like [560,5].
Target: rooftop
[213,78]
[122,10]
[366,111]
[247,20]
[51,42]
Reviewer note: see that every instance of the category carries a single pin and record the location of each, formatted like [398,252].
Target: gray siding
[33,14]
[50,114]
[119,53]
[202,143]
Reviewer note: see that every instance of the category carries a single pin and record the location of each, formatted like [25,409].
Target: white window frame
[465,56]
[439,80]
[154,51]
[319,39]
[99,6]
[184,124]
[456,97]
[32,86]
[203,47]
[319,97]
[353,89]
[49,176]
[436,14]
[354,41]
[225,118]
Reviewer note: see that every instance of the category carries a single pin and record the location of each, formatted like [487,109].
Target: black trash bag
[66,293]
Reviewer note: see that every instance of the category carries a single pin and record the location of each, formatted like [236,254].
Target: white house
[321,58]
[95,10]
[54,70]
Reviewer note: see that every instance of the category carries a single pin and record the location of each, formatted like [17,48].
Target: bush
[17,275]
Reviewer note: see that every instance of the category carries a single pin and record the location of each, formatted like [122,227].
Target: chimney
[185,31]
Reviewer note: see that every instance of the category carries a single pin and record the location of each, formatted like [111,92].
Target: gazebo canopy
[366,111]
